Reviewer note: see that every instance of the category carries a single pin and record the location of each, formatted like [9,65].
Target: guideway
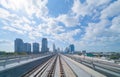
[104,67]
[19,70]
[62,66]
[51,68]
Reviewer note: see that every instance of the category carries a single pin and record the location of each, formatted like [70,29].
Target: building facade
[71,48]
[27,47]
[18,44]
[44,47]
[35,47]
[54,48]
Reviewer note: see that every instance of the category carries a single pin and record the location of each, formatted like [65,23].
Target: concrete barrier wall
[20,70]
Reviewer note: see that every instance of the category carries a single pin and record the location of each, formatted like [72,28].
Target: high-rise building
[18,44]
[27,47]
[66,50]
[71,48]
[44,47]
[35,47]
[54,49]
[58,49]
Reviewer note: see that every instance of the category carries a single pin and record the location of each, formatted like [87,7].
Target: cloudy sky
[92,25]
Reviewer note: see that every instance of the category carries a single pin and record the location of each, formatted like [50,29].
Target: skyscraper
[44,47]
[27,47]
[35,47]
[54,49]
[71,48]
[18,44]
[58,49]
[66,50]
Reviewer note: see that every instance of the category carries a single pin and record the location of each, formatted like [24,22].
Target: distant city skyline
[21,46]
[91,25]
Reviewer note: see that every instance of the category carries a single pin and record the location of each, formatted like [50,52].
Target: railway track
[39,70]
[47,69]
[52,69]
[59,66]
[62,74]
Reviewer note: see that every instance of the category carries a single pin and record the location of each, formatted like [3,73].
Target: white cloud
[4,13]
[13,29]
[95,30]
[25,20]
[67,37]
[86,8]
[20,15]
[28,7]
[50,27]
[68,20]
[100,33]
[79,8]
[27,27]
[5,41]
[13,4]
[34,34]
[111,10]
[21,25]
[116,24]
[96,2]
[21,18]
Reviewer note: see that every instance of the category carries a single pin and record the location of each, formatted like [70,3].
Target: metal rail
[62,74]
[40,69]
[52,70]
[47,69]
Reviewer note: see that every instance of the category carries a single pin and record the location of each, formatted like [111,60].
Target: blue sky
[92,25]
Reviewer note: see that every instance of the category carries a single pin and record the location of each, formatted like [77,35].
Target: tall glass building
[18,44]
[27,47]
[35,47]
[71,48]
[44,47]
[54,49]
